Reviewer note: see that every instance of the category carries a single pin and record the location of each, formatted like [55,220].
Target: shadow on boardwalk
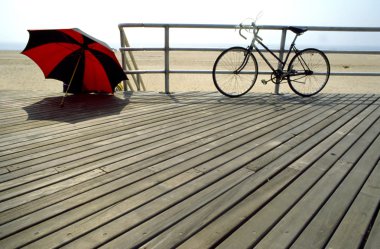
[77,108]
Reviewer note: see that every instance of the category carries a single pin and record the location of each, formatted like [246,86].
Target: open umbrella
[84,63]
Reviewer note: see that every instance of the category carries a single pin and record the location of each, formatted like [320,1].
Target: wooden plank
[133,116]
[158,223]
[318,231]
[19,180]
[373,240]
[115,225]
[122,132]
[31,167]
[324,127]
[132,105]
[215,231]
[293,222]
[81,198]
[257,226]
[181,232]
[18,200]
[44,180]
[223,160]
[152,117]
[49,110]
[147,131]
[28,136]
[82,133]
[118,173]
[320,131]
[30,234]
[4,171]
[218,220]
[353,228]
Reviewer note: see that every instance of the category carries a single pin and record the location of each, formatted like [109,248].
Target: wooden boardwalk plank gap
[189,170]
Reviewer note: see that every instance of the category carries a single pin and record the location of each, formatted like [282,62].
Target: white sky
[100,18]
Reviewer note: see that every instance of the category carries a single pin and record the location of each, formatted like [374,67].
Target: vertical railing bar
[123,57]
[139,82]
[167,69]
[281,57]
[125,63]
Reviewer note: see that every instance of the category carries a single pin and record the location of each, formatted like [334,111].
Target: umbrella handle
[71,79]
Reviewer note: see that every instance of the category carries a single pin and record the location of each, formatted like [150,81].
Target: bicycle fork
[244,63]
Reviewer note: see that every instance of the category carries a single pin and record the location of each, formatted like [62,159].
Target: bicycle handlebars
[240,28]
[254,28]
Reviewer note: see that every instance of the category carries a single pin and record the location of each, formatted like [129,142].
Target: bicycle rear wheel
[309,71]
[235,71]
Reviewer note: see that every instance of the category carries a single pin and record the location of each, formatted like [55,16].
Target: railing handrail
[233,26]
[167,26]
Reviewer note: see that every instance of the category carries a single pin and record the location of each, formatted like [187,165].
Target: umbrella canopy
[74,57]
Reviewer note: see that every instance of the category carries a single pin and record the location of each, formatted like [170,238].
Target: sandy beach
[18,72]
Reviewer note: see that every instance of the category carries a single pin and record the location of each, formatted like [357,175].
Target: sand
[18,72]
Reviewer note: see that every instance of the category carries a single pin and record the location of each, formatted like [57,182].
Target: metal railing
[131,67]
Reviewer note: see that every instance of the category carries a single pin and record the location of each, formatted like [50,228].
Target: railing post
[167,59]
[123,59]
[281,56]
[126,65]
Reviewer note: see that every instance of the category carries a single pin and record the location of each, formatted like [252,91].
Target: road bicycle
[236,69]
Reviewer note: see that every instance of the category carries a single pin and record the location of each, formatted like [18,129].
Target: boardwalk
[189,170]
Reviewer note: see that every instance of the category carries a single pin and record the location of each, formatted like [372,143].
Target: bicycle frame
[283,63]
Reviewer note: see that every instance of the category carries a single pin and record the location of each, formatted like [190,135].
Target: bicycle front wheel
[309,71]
[235,71]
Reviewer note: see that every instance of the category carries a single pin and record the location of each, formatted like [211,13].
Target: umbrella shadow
[77,108]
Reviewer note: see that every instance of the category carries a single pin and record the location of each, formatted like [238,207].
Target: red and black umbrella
[74,57]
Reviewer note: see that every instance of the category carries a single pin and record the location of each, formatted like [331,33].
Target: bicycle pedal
[264,81]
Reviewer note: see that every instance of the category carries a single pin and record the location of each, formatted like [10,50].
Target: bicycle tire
[309,71]
[233,73]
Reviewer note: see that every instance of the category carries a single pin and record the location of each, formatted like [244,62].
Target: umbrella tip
[62,101]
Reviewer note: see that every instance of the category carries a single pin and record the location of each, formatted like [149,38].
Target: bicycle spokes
[309,71]
[235,71]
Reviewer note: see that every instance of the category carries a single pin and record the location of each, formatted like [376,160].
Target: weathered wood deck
[189,170]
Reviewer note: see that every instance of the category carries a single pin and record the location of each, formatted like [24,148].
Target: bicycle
[235,70]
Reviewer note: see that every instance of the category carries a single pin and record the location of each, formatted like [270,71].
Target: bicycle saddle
[297,30]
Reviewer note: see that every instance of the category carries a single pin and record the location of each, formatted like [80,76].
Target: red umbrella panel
[76,58]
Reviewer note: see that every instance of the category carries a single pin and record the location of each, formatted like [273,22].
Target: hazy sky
[100,18]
